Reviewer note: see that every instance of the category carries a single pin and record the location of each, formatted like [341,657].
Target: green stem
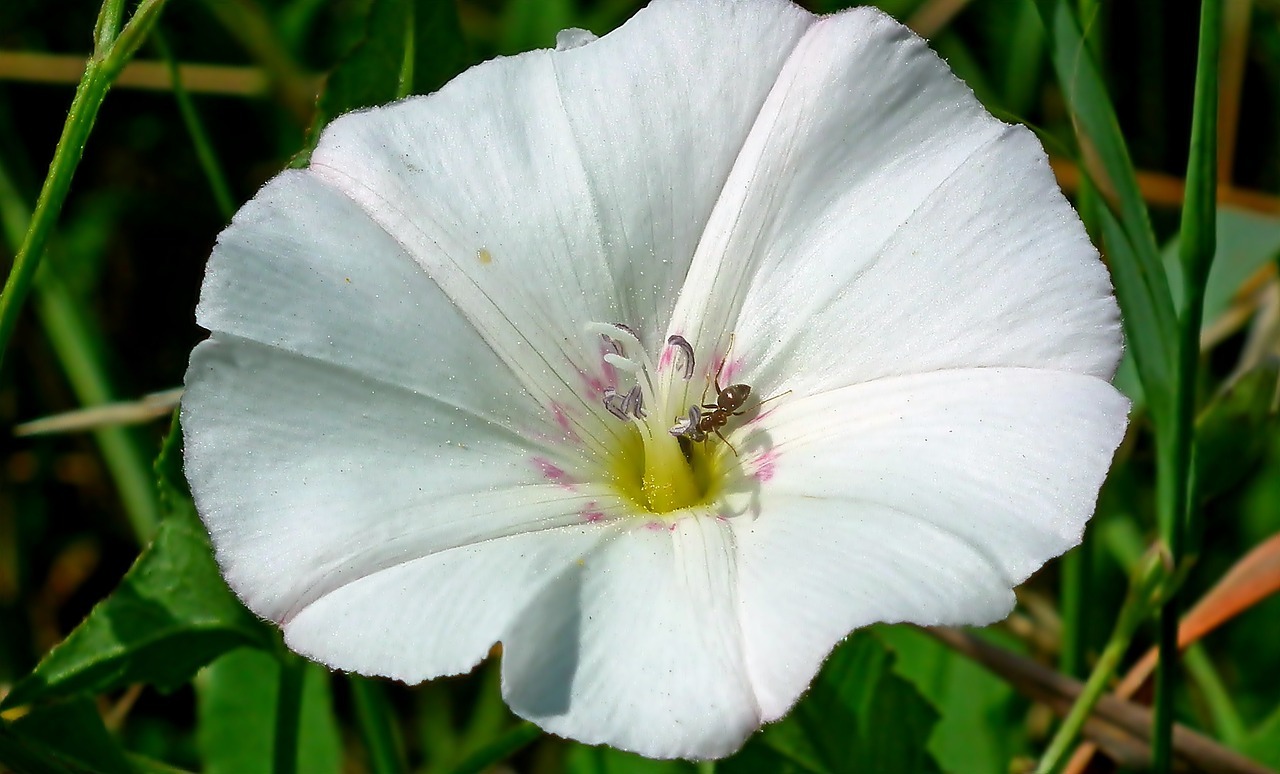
[1197,243]
[99,73]
[84,109]
[375,721]
[1147,585]
[500,749]
[288,714]
[107,28]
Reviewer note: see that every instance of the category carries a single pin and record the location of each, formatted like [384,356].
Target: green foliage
[171,615]
[1247,242]
[237,702]
[977,730]
[122,249]
[409,47]
[1234,430]
[72,732]
[1263,745]
[859,715]
[1139,277]
[606,760]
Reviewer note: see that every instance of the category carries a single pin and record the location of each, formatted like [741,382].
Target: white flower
[410,440]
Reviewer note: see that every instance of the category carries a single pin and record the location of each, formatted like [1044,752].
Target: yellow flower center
[652,470]
[657,465]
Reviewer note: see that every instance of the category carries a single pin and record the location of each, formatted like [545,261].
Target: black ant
[707,418]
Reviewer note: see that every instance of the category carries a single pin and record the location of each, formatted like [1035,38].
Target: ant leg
[726,443]
[723,360]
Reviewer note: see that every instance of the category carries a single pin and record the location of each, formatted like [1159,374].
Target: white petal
[310,476]
[582,187]
[922,498]
[656,150]
[441,613]
[875,184]
[302,269]
[639,647]
[574,37]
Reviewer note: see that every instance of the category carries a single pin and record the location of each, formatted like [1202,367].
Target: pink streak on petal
[664,360]
[654,526]
[595,385]
[590,513]
[553,473]
[764,466]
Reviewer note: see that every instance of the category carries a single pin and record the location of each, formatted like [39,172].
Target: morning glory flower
[663,359]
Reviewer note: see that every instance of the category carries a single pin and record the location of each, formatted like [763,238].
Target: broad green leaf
[409,47]
[171,484]
[981,726]
[170,615]
[858,716]
[370,74]
[74,729]
[439,50]
[1233,432]
[1139,275]
[530,24]
[1247,241]
[606,760]
[236,705]
[30,756]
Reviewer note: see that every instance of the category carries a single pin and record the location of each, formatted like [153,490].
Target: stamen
[612,343]
[635,403]
[616,404]
[688,426]
[686,350]
[624,363]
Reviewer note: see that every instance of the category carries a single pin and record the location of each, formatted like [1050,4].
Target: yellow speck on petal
[484,256]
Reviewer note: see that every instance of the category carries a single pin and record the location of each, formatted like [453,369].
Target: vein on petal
[231,339]
[608,528]
[331,177]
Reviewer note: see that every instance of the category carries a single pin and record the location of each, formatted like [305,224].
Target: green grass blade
[73,336]
[1142,287]
[375,721]
[203,146]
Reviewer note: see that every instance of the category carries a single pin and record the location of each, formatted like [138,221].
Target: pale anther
[688,426]
[685,361]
